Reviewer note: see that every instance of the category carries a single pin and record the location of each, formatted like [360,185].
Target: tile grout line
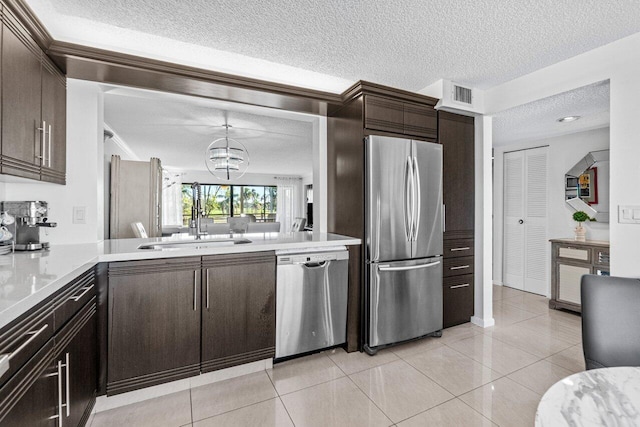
[371,400]
[236,409]
[480,413]
[312,385]
[286,410]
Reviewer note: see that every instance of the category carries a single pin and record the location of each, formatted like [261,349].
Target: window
[222,201]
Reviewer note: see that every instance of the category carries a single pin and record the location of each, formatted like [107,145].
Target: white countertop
[27,278]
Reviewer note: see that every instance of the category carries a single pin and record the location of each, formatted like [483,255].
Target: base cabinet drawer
[458,248]
[457,297]
[457,266]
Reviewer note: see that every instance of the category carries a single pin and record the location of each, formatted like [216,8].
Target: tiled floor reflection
[469,377]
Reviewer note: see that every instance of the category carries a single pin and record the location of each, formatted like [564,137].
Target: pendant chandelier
[226,158]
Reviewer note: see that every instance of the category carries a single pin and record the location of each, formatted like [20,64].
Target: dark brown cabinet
[457,135]
[33,137]
[57,386]
[457,293]
[238,309]
[154,322]
[29,398]
[21,104]
[403,118]
[78,363]
[54,121]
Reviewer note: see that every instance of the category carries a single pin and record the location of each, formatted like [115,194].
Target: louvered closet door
[525,227]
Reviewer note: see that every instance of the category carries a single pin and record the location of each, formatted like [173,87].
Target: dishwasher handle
[313,264]
[408,267]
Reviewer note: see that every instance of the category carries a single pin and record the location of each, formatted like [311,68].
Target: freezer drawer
[405,300]
[311,302]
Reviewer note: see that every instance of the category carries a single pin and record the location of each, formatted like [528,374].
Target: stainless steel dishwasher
[311,301]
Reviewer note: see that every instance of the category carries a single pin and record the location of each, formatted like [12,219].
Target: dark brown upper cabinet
[33,143]
[456,134]
[54,120]
[238,309]
[21,105]
[406,119]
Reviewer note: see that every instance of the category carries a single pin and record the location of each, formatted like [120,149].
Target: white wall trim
[105,403]
[483,260]
[483,323]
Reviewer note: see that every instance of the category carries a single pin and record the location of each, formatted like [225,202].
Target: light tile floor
[469,377]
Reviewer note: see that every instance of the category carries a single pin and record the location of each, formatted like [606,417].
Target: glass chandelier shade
[227,159]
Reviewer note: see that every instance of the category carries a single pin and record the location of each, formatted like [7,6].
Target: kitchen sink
[194,244]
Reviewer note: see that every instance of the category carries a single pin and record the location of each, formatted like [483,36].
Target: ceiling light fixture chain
[226,158]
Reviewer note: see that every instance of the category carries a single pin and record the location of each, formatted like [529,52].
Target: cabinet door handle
[34,335]
[66,368]
[459,267]
[466,248]
[195,291]
[85,290]
[60,405]
[49,152]
[207,275]
[43,143]
[459,286]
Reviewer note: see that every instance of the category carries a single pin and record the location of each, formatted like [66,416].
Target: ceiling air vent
[462,94]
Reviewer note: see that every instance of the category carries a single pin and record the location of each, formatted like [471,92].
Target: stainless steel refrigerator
[404,226]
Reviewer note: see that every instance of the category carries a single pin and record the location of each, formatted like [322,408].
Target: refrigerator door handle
[408,197]
[406,268]
[416,219]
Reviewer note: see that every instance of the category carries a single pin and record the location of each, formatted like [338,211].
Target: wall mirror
[587,185]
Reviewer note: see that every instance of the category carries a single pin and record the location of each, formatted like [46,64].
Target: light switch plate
[629,214]
[79,214]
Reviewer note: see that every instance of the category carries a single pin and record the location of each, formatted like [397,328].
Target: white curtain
[289,204]
[171,198]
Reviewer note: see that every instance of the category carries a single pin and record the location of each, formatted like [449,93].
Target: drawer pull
[461,267]
[459,286]
[84,291]
[460,249]
[34,335]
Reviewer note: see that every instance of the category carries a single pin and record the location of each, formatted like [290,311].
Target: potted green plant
[581,232]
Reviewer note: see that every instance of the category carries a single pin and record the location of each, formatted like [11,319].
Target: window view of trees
[222,201]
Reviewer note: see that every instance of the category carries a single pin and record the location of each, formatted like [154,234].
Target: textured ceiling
[407,44]
[178,129]
[538,119]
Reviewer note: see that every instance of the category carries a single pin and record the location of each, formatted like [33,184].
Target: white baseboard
[483,323]
[498,283]
[104,403]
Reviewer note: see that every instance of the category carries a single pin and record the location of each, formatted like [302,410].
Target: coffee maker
[29,217]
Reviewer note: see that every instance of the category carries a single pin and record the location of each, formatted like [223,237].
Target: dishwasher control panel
[317,257]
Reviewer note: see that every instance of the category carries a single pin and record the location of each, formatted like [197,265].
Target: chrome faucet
[196,210]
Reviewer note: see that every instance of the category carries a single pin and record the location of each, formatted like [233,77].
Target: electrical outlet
[79,214]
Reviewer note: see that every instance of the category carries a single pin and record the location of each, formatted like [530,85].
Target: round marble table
[599,397]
